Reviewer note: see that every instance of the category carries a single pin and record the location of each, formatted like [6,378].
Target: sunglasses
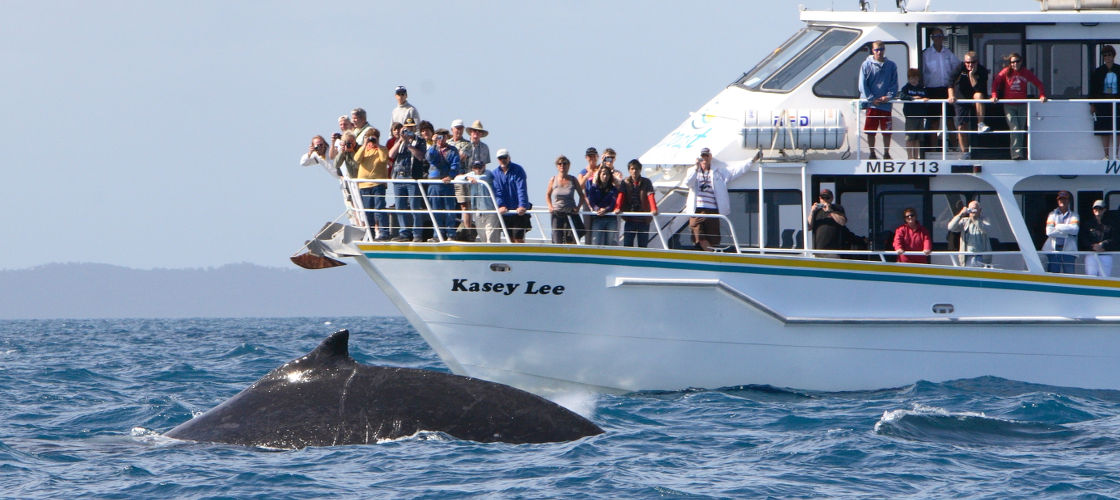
[503,157]
[876,50]
[1014,61]
[911,216]
[608,158]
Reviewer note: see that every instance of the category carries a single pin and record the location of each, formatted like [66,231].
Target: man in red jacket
[1011,83]
[912,237]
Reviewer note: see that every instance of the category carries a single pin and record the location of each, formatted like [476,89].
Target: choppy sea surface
[82,404]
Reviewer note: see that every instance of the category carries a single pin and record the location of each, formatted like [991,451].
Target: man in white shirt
[939,66]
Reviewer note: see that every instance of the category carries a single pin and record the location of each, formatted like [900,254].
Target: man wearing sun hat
[476,150]
[1062,226]
[404,109]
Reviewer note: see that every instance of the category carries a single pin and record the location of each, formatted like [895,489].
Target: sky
[168,134]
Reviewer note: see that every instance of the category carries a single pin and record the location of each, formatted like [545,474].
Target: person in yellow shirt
[373,163]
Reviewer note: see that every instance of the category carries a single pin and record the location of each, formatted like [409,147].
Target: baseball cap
[456,123]
[503,152]
[400,90]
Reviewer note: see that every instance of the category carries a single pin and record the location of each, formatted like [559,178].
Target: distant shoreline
[104,291]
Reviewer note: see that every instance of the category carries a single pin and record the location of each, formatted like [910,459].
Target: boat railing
[943,142]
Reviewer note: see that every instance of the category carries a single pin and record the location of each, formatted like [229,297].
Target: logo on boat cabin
[1112,167]
[531,287]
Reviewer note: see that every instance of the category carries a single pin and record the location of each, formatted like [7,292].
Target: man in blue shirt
[443,161]
[512,197]
[878,84]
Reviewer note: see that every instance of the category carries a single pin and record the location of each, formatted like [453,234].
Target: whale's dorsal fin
[334,347]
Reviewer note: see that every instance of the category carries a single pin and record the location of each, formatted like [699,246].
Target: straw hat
[477,125]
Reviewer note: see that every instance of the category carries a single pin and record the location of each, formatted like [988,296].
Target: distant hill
[233,290]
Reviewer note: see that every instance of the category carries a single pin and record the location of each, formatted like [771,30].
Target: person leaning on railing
[561,194]
[512,194]
[1105,84]
[1011,83]
[1062,226]
[637,196]
[911,236]
[1099,234]
[486,222]
[973,228]
[606,201]
[317,155]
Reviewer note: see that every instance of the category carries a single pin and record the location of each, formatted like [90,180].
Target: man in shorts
[512,195]
[970,83]
[878,84]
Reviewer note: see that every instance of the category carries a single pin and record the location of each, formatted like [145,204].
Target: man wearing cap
[826,221]
[460,143]
[404,109]
[1062,226]
[512,195]
[443,164]
[1098,234]
[707,194]
[409,162]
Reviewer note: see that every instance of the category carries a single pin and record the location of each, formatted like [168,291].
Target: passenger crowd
[416,150]
[944,76]
[465,211]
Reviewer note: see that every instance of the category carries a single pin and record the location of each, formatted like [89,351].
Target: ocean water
[83,403]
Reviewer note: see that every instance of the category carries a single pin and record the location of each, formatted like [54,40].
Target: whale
[326,398]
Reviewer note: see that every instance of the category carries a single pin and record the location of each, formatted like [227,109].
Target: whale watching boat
[766,307]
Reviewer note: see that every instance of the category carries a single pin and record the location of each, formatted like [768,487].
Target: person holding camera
[317,155]
[409,163]
[974,234]
[443,164]
[827,221]
[344,125]
[373,163]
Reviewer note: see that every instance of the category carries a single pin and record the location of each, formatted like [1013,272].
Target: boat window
[797,58]
[844,80]
[783,217]
[1060,65]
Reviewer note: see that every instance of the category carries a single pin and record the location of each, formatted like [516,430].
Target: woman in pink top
[1011,83]
[912,237]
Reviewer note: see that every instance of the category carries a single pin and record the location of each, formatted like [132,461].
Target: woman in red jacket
[1011,83]
[912,237]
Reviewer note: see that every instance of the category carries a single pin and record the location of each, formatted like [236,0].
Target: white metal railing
[1035,110]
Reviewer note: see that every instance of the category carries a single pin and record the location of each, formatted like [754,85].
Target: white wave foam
[893,416]
[583,403]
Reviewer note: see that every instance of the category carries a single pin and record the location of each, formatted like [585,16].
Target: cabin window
[843,82]
[783,217]
[1060,65]
[797,58]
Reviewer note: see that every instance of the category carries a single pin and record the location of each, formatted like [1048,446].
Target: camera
[336,135]
[409,134]
[973,211]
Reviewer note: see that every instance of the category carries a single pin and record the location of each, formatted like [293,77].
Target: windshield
[797,58]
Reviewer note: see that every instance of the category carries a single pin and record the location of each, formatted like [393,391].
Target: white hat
[456,123]
[1099,203]
[503,152]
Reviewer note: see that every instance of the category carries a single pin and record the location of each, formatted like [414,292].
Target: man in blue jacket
[512,196]
[878,84]
[443,161]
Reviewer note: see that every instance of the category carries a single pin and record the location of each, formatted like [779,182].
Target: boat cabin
[800,106]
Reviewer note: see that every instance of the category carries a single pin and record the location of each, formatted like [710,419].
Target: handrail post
[944,129]
[1028,133]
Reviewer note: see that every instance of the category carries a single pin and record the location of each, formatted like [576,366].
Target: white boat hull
[628,320]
